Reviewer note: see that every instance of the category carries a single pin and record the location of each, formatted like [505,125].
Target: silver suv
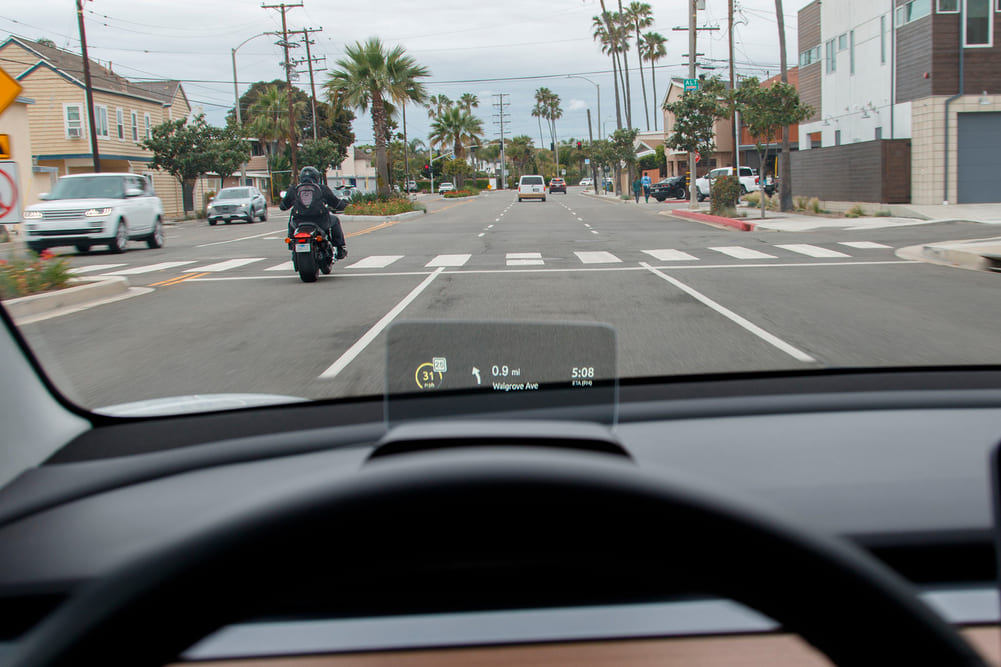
[84,210]
[239,203]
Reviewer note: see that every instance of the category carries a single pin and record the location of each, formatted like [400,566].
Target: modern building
[907,92]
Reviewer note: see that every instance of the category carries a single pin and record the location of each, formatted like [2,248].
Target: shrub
[729,212]
[801,203]
[21,276]
[882,214]
[814,206]
[855,211]
[456,194]
[725,193]
[482,183]
[753,199]
[376,204]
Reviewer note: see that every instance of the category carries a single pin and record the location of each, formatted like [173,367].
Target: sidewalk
[975,254]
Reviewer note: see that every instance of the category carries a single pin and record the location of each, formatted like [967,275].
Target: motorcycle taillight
[302,235]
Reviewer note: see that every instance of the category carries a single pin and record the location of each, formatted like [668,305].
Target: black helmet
[309,175]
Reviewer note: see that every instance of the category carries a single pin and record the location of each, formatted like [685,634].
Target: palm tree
[603,34]
[785,167]
[538,111]
[468,101]
[370,77]
[457,127]
[641,16]
[652,49]
[268,117]
[437,104]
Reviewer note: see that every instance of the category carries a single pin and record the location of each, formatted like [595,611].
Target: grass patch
[33,274]
[376,205]
[882,214]
[855,211]
[458,194]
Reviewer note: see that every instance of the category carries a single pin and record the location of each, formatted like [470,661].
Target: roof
[101,77]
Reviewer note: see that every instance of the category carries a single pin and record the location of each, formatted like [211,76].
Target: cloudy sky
[512,47]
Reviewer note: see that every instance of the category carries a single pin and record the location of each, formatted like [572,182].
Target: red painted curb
[716,220]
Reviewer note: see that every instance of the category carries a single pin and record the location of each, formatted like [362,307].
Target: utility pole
[288,86]
[95,154]
[501,105]
[733,112]
[309,59]
[693,32]
[594,168]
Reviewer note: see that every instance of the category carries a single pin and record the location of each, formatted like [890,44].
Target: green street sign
[691,85]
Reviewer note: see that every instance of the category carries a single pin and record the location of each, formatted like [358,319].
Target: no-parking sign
[10,194]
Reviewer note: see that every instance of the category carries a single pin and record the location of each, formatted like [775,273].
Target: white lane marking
[791,350]
[150,268]
[593,232]
[377,328]
[863,245]
[94,267]
[524,259]
[587,225]
[811,250]
[598,257]
[284,266]
[742,253]
[227,265]
[481,234]
[490,226]
[668,255]
[497,220]
[272,238]
[243,238]
[375,262]
[448,260]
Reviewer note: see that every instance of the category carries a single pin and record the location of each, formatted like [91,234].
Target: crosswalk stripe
[668,255]
[742,253]
[375,262]
[811,250]
[863,245]
[448,260]
[597,257]
[150,268]
[94,267]
[284,266]
[524,259]
[225,266]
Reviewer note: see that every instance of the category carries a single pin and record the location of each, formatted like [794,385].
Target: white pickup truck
[748,181]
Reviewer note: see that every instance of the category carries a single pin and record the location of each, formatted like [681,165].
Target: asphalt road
[226,315]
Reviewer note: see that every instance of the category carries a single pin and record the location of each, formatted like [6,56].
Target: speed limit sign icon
[10,194]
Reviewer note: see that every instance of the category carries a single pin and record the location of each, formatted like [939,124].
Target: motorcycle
[312,250]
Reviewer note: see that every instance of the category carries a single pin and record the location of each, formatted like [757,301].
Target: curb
[739,225]
[36,304]
[384,218]
[958,254]
[606,198]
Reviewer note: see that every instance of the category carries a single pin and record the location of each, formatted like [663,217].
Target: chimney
[109,67]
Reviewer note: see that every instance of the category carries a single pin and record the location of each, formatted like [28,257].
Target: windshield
[234,193]
[88,187]
[863,231]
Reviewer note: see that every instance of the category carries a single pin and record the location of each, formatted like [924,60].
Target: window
[879,133]
[912,11]
[811,56]
[978,26]
[832,57]
[837,137]
[842,42]
[135,126]
[120,122]
[149,126]
[948,6]
[74,121]
[101,120]
[851,52]
[882,40]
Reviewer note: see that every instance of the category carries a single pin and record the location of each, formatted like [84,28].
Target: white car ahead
[84,210]
[446,187]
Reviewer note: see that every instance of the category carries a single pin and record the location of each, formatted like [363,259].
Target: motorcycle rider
[309,177]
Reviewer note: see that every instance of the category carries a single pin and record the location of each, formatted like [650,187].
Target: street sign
[563,172]
[587,160]
[9,89]
[691,85]
[4,146]
[698,156]
[10,194]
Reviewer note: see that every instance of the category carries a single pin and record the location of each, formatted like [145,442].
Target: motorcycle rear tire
[307,268]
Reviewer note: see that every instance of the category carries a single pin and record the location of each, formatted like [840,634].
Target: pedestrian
[637,188]
[647,182]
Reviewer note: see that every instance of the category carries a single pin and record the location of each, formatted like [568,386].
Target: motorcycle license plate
[302,247]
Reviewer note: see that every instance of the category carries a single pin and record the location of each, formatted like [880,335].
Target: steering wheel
[491,528]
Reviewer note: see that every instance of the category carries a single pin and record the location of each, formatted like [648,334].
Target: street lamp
[236,94]
[575,76]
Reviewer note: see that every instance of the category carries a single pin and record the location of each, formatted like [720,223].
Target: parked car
[411,186]
[532,187]
[669,188]
[242,203]
[587,182]
[346,191]
[84,210]
[748,181]
[446,187]
[557,185]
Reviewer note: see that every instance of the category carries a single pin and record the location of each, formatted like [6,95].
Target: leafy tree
[456,128]
[323,154]
[623,145]
[520,152]
[182,149]
[695,117]
[369,78]
[227,151]
[765,111]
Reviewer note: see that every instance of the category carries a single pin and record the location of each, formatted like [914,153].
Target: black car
[669,188]
[557,185]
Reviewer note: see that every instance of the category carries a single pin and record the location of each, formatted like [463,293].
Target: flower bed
[393,206]
[460,193]
[33,274]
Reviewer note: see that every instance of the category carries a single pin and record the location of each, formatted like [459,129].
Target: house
[894,123]
[125,113]
[748,148]
[677,161]
[357,170]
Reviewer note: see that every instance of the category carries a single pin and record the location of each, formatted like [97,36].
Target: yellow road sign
[9,90]
[4,146]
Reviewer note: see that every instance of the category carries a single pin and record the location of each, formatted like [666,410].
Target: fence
[870,171]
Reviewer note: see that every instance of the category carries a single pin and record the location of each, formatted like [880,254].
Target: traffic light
[427,170]
[580,145]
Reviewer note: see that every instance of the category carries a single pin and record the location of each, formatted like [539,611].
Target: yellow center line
[375,228]
[179,279]
[461,203]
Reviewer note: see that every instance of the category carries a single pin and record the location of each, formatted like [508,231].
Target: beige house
[677,161]
[125,114]
[357,170]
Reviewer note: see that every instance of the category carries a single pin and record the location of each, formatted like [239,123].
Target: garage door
[979,158]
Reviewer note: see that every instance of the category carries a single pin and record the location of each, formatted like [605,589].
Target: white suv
[95,209]
[748,181]
[532,187]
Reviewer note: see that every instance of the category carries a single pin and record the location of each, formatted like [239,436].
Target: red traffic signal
[580,145]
